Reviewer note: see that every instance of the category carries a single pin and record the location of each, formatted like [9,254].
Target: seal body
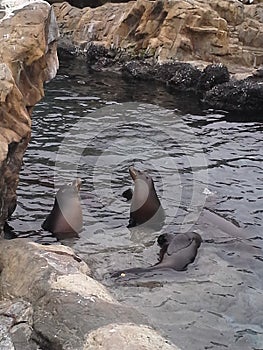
[146,208]
[176,253]
[65,218]
[178,250]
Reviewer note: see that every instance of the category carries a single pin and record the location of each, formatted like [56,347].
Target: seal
[146,208]
[178,250]
[65,218]
[176,253]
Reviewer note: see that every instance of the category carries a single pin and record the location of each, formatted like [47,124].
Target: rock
[243,96]
[128,337]
[224,31]
[213,75]
[169,41]
[83,3]
[29,59]
[185,78]
[62,306]
[179,75]
[16,319]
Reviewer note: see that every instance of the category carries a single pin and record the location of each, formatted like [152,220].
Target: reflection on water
[95,126]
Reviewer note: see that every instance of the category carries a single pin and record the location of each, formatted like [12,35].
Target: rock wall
[28,58]
[224,31]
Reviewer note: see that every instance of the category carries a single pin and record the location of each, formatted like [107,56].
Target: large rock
[28,58]
[62,306]
[244,97]
[225,31]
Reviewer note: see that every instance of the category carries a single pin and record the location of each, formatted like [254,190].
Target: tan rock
[28,59]
[85,286]
[70,310]
[128,337]
[176,29]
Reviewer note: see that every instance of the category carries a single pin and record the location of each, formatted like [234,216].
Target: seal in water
[145,204]
[65,218]
[177,252]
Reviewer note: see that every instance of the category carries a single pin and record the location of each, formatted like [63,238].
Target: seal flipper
[128,194]
[132,223]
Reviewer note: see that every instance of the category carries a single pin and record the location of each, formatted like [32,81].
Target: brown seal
[146,208]
[177,252]
[65,218]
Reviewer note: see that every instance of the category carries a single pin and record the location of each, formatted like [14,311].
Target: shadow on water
[94,125]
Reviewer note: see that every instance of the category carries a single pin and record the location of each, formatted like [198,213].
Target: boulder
[28,59]
[56,304]
[243,97]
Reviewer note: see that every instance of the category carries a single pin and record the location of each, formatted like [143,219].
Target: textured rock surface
[237,96]
[224,31]
[61,306]
[27,59]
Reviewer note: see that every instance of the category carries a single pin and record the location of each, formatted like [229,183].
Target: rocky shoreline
[50,301]
[48,298]
[212,50]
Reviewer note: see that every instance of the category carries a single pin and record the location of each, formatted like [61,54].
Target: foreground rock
[57,305]
[28,59]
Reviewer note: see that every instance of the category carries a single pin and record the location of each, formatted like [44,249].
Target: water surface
[94,126]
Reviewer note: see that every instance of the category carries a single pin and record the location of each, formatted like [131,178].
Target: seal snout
[77,183]
[133,172]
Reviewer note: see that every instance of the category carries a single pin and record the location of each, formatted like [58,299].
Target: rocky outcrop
[174,42]
[28,58]
[245,96]
[213,85]
[57,305]
[224,31]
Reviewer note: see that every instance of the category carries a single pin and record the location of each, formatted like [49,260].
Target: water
[94,126]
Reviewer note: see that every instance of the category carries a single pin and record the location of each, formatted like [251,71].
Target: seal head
[65,218]
[146,208]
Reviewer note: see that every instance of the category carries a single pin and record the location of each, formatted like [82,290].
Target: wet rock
[185,78]
[180,75]
[99,57]
[243,96]
[138,70]
[28,54]
[213,75]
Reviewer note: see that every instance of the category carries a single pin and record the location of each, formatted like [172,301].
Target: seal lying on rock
[177,252]
[65,218]
[146,208]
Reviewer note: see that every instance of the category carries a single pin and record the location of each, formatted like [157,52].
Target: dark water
[94,126]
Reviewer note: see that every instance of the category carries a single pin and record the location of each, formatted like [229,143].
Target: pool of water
[208,175]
